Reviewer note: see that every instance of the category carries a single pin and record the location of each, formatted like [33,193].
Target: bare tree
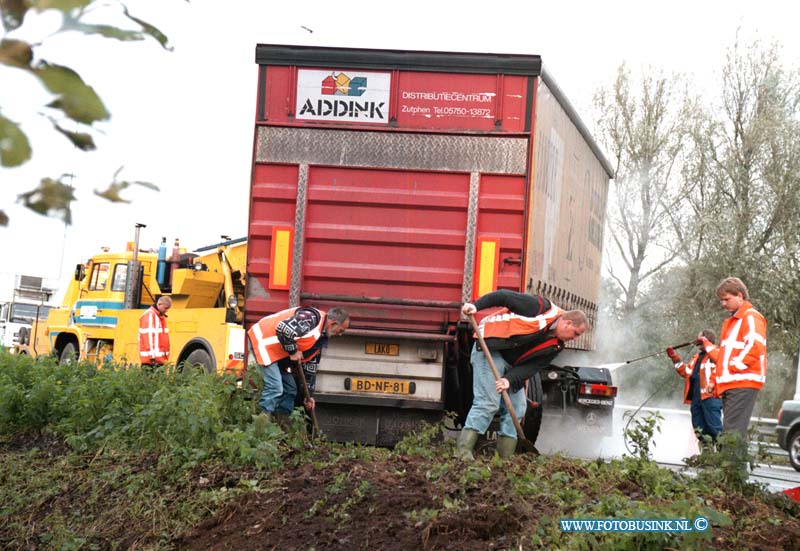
[645,130]
[749,187]
[741,214]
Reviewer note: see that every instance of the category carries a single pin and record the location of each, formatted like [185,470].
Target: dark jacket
[525,353]
[302,322]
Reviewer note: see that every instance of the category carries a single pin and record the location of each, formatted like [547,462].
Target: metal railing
[763,433]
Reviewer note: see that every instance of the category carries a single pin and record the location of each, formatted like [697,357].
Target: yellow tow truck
[98,320]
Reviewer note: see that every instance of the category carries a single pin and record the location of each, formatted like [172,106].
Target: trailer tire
[69,354]
[486,445]
[532,421]
[200,358]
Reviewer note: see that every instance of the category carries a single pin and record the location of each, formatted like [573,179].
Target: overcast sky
[183,120]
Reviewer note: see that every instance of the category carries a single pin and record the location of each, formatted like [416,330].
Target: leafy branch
[73,98]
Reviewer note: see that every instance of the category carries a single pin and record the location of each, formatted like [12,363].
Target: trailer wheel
[69,354]
[200,358]
[486,445]
[532,421]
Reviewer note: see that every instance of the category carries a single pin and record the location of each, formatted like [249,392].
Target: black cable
[625,431]
[659,389]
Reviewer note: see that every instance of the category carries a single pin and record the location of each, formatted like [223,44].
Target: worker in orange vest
[154,334]
[523,333]
[279,341]
[741,356]
[699,389]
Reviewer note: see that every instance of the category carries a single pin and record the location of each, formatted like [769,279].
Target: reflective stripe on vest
[736,348]
[266,346]
[707,372]
[506,324]
[153,338]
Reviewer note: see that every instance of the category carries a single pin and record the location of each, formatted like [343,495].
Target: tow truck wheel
[794,450]
[69,354]
[23,335]
[200,358]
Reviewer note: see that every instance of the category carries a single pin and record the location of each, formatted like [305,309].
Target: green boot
[465,444]
[506,446]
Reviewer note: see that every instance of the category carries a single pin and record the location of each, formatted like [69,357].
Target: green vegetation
[117,458]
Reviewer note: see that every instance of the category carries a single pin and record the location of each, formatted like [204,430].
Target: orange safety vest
[153,337]
[264,340]
[707,372]
[504,323]
[741,356]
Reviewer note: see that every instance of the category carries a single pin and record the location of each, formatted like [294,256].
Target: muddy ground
[398,505]
[379,506]
[353,500]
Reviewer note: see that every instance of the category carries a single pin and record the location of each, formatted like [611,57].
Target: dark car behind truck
[788,428]
[399,185]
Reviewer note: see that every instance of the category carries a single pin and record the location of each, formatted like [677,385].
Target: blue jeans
[486,401]
[707,416]
[279,390]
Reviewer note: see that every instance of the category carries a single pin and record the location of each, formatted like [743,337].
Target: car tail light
[780,412]
[598,390]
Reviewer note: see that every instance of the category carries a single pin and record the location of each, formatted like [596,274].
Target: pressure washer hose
[659,389]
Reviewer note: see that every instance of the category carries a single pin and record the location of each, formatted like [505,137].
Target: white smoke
[650,382]
[674,442]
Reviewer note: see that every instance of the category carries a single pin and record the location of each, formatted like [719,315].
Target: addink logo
[343,85]
[335,95]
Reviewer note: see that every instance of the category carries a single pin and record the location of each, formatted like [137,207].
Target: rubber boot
[465,444]
[506,446]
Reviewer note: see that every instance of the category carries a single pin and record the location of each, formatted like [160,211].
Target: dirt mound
[355,504]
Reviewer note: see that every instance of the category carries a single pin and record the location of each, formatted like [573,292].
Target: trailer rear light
[598,390]
[280,270]
[488,265]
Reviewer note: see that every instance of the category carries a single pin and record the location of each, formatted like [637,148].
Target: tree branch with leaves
[72,98]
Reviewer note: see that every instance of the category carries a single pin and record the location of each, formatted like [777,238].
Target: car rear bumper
[594,420]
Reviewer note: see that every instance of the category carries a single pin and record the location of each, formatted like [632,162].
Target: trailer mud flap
[370,424]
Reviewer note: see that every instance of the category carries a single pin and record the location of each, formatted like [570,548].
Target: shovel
[526,444]
[307,394]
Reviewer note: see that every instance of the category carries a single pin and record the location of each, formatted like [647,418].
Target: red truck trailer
[400,184]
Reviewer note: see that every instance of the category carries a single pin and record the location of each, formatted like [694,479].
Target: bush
[187,414]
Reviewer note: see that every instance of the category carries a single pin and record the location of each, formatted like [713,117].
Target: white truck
[30,300]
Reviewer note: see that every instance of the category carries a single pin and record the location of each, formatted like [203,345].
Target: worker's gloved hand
[704,343]
[676,359]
